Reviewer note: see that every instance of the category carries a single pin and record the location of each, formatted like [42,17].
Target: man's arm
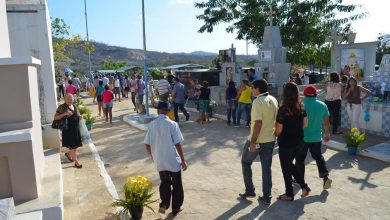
[148,149]
[180,152]
[326,129]
[256,131]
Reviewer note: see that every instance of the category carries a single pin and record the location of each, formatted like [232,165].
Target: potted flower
[89,120]
[353,140]
[137,194]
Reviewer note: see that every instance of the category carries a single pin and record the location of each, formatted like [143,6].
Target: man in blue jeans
[261,141]
[179,99]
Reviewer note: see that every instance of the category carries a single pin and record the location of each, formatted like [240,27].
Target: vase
[352,150]
[136,212]
[89,127]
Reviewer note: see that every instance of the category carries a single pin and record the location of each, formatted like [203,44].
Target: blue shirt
[162,135]
[180,96]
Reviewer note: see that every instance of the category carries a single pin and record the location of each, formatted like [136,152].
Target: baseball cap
[310,91]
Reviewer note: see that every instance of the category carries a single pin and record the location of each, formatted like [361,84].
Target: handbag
[61,124]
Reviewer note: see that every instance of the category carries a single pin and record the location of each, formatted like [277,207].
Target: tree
[108,64]
[382,48]
[304,25]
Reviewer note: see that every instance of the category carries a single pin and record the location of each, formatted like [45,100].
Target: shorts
[108,105]
[140,99]
[203,105]
[99,98]
[117,90]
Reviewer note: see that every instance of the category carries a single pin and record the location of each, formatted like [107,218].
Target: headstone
[272,64]
[230,70]
[30,35]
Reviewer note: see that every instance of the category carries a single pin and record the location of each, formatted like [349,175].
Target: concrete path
[361,186]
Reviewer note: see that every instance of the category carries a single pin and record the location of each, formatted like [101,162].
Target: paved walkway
[360,189]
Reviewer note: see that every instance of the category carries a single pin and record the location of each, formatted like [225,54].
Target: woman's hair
[70,82]
[291,99]
[334,77]
[106,87]
[100,83]
[232,88]
[349,80]
[205,84]
[139,77]
[245,81]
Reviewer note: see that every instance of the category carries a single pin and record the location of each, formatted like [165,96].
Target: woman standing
[133,90]
[98,96]
[231,101]
[204,101]
[244,102]
[71,137]
[126,84]
[107,97]
[353,96]
[333,100]
[290,121]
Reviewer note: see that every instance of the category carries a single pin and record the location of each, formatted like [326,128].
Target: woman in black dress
[71,137]
[290,121]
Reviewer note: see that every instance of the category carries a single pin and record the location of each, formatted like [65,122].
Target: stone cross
[333,39]
[270,14]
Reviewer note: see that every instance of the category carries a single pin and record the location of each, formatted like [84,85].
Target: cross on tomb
[270,14]
[333,39]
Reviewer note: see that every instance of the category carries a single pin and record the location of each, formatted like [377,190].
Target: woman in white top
[333,100]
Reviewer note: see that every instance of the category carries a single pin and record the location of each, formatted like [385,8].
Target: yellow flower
[353,130]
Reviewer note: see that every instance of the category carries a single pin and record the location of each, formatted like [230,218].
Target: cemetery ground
[360,188]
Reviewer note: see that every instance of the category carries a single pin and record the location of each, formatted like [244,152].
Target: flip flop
[69,158]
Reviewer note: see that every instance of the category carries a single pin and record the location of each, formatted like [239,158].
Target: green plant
[78,102]
[354,138]
[84,110]
[137,192]
[89,119]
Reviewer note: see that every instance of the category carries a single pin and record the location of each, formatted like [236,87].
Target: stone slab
[37,215]
[50,201]
[7,209]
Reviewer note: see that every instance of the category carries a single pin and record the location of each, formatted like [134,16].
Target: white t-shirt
[163,86]
[116,83]
[162,135]
[105,81]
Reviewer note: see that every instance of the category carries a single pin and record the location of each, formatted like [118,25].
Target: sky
[171,25]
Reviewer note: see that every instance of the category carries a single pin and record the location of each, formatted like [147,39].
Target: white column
[5,49]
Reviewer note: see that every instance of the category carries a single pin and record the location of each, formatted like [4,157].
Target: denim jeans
[231,110]
[176,107]
[334,113]
[171,187]
[265,151]
[315,151]
[247,108]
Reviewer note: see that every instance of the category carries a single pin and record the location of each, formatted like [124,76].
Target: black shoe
[187,118]
[264,201]
[247,195]
[78,166]
[176,212]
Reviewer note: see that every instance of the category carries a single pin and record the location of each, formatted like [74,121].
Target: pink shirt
[108,96]
[71,89]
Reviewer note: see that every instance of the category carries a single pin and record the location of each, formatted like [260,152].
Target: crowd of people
[297,125]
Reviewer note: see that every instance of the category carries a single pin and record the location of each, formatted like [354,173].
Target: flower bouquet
[137,191]
[353,140]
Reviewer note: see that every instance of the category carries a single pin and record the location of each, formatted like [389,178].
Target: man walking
[162,142]
[163,89]
[318,120]
[179,99]
[261,140]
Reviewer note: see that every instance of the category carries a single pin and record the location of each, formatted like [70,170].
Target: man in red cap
[316,131]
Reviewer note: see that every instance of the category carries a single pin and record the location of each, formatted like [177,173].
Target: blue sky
[171,25]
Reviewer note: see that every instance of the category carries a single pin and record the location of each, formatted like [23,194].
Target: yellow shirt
[264,108]
[245,96]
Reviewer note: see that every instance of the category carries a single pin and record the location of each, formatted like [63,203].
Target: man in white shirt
[162,142]
[105,80]
[163,89]
[117,88]
[77,83]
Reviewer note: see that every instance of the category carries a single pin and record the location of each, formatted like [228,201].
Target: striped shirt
[162,86]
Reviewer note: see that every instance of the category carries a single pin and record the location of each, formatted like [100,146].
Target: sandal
[305,192]
[284,197]
[69,158]
[78,166]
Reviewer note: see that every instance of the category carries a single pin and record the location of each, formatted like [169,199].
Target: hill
[135,57]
